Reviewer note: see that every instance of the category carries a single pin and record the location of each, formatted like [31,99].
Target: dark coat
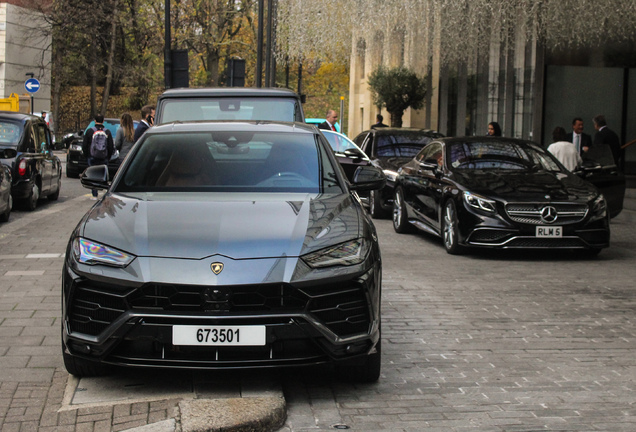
[324,125]
[140,129]
[586,140]
[608,137]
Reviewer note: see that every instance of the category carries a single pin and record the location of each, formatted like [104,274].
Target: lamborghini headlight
[92,253]
[343,254]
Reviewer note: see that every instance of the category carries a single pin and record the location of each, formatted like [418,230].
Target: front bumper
[306,323]
[500,232]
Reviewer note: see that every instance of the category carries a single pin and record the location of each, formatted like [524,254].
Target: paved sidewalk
[36,392]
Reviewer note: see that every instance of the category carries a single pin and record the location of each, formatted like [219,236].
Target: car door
[426,187]
[46,158]
[600,169]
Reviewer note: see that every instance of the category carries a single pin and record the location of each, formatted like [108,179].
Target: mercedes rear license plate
[218,335]
[549,231]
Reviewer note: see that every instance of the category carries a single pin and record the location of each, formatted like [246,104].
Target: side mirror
[353,153]
[368,178]
[8,153]
[429,165]
[95,177]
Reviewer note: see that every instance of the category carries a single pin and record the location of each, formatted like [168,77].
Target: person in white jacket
[564,150]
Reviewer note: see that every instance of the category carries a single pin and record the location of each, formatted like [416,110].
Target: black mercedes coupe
[486,192]
[225,245]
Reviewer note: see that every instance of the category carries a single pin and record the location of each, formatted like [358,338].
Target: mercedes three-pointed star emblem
[549,214]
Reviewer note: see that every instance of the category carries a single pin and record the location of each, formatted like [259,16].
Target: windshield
[10,133]
[499,155]
[229,161]
[268,109]
[402,145]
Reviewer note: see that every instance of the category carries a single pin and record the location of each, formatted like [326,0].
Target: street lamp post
[167,60]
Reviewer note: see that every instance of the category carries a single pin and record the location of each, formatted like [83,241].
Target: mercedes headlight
[343,254]
[92,253]
[599,207]
[76,147]
[479,202]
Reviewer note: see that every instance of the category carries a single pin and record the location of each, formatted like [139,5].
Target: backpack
[99,144]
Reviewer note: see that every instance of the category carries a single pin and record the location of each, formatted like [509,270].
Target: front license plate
[218,335]
[548,231]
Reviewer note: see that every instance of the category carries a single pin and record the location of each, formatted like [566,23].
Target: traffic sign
[32,85]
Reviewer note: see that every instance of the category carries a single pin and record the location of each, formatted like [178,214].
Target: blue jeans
[91,162]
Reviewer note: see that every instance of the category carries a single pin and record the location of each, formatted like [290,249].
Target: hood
[528,186]
[238,226]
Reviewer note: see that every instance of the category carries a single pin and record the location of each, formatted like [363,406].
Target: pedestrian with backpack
[98,145]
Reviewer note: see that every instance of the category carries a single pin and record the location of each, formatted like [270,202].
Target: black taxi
[36,171]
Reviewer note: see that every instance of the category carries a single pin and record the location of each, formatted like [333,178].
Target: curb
[258,414]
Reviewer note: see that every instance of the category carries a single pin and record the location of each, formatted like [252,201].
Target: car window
[431,153]
[40,137]
[401,145]
[10,133]
[499,155]
[338,143]
[229,161]
[274,109]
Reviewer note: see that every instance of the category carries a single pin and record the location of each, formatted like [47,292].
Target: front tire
[450,233]
[400,216]
[80,367]
[56,195]
[368,372]
[4,217]
[375,205]
[34,196]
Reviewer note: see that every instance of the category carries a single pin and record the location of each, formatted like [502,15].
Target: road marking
[44,255]
[24,273]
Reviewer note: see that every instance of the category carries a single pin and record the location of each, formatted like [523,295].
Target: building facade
[527,89]
[24,49]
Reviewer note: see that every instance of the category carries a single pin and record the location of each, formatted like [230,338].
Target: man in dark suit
[581,140]
[330,123]
[378,122]
[606,136]
[147,120]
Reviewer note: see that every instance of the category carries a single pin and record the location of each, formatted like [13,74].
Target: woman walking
[124,138]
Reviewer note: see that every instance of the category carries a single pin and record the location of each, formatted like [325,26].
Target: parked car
[36,172]
[6,200]
[225,245]
[389,148]
[348,154]
[231,103]
[487,192]
[76,163]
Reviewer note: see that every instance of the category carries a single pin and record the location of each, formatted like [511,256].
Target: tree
[397,89]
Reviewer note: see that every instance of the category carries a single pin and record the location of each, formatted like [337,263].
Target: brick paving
[503,341]
[506,341]
[33,380]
